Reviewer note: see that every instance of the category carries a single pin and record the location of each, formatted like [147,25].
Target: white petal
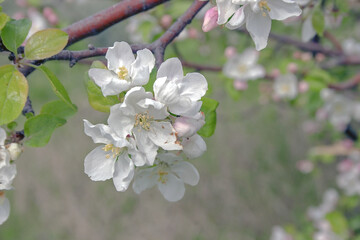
[163,135]
[283,9]
[2,137]
[101,77]
[124,172]
[185,107]
[100,133]
[193,86]
[253,73]
[7,175]
[142,67]
[4,209]
[307,31]
[115,87]
[187,172]
[121,122]
[155,109]
[249,57]
[194,146]
[134,96]
[166,91]
[145,145]
[4,157]
[237,20]
[188,126]
[258,26]
[120,55]
[168,157]
[226,9]
[173,189]
[144,179]
[97,166]
[171,68]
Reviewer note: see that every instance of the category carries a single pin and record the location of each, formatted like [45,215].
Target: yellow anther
[264,7]
[110,147]
[123,72]
[143,120]
[242,68]
[162,176]
[285,88]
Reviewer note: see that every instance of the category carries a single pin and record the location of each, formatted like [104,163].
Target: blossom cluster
[8,154]
[148,133]
[255,14]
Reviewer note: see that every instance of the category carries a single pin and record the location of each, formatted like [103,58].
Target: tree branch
[353,82]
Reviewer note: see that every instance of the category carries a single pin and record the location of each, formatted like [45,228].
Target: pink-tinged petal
[4,209]
[98,166]
[121,121]
[283,9]
[237,20]
[163,135]
[142,67]
[124,172]
[188,126]
[187,172]
[171,69]
[144,179]
[210,19]
[193,86]
[225,10]
[172,189]
[194,146]
[2,136]
[258,26]
[145,145]
[120,55]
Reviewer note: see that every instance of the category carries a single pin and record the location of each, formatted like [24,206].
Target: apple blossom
[210,19]
[244,67]
[124,71]
[4,208]
[170,173]
[145,119]
[181,95]
[285,86]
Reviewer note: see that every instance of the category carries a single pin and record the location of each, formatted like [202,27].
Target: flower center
[143,120]
[285,88]
[264,7]
[114,150]
[123,73]
[242,68]
[162,176]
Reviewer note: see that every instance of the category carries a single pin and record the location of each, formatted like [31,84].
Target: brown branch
[334,41]
[353,82]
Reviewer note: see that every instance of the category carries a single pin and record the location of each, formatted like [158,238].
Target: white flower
[188,126]
[328,204]
[351,47]
[285,86]
[244,66]
[7,169]
[180,94]
[4,208]
[169,174]
[124,71]
[144,118]
[111,160]
[257,14]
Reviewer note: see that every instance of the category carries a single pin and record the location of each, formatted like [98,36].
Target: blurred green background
[248,176]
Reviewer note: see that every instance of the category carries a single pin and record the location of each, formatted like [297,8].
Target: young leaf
[45,43]
[56,85]
[209,108]
[13,93]
[97,99]
[318,21]
[58,108]
[3,20]
[14,33]
[40,128]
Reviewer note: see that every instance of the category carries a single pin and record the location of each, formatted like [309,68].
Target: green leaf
[45,43]
[59,109]
[338,223]
[14,33]
[40,128]
[209,109]
[4,18]
[318,21]
[13,93]
[56,85]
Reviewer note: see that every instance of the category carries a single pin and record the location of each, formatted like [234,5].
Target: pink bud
[292,67]
[305,166]
[319,57]
[166,21]
[303,86]
[18,15]
[345,165]
[275,73]
[306,57]
[230,52]
[240,85]
[50,16]
[297,55]
[187,126]
[193,33]
[210,19]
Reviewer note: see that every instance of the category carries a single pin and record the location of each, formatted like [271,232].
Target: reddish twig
[353,82]
[333,40]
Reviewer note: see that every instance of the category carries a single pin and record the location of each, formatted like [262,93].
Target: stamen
[114,150]
[143,120]
[123,73]
[162,176]
[264,7]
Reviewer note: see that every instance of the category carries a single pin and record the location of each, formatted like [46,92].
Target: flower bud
[15,150]
[292,67]
[187,127]
[210,19]
[230,52]
[166,21]
[303,86]
[50,16]
[240,85]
